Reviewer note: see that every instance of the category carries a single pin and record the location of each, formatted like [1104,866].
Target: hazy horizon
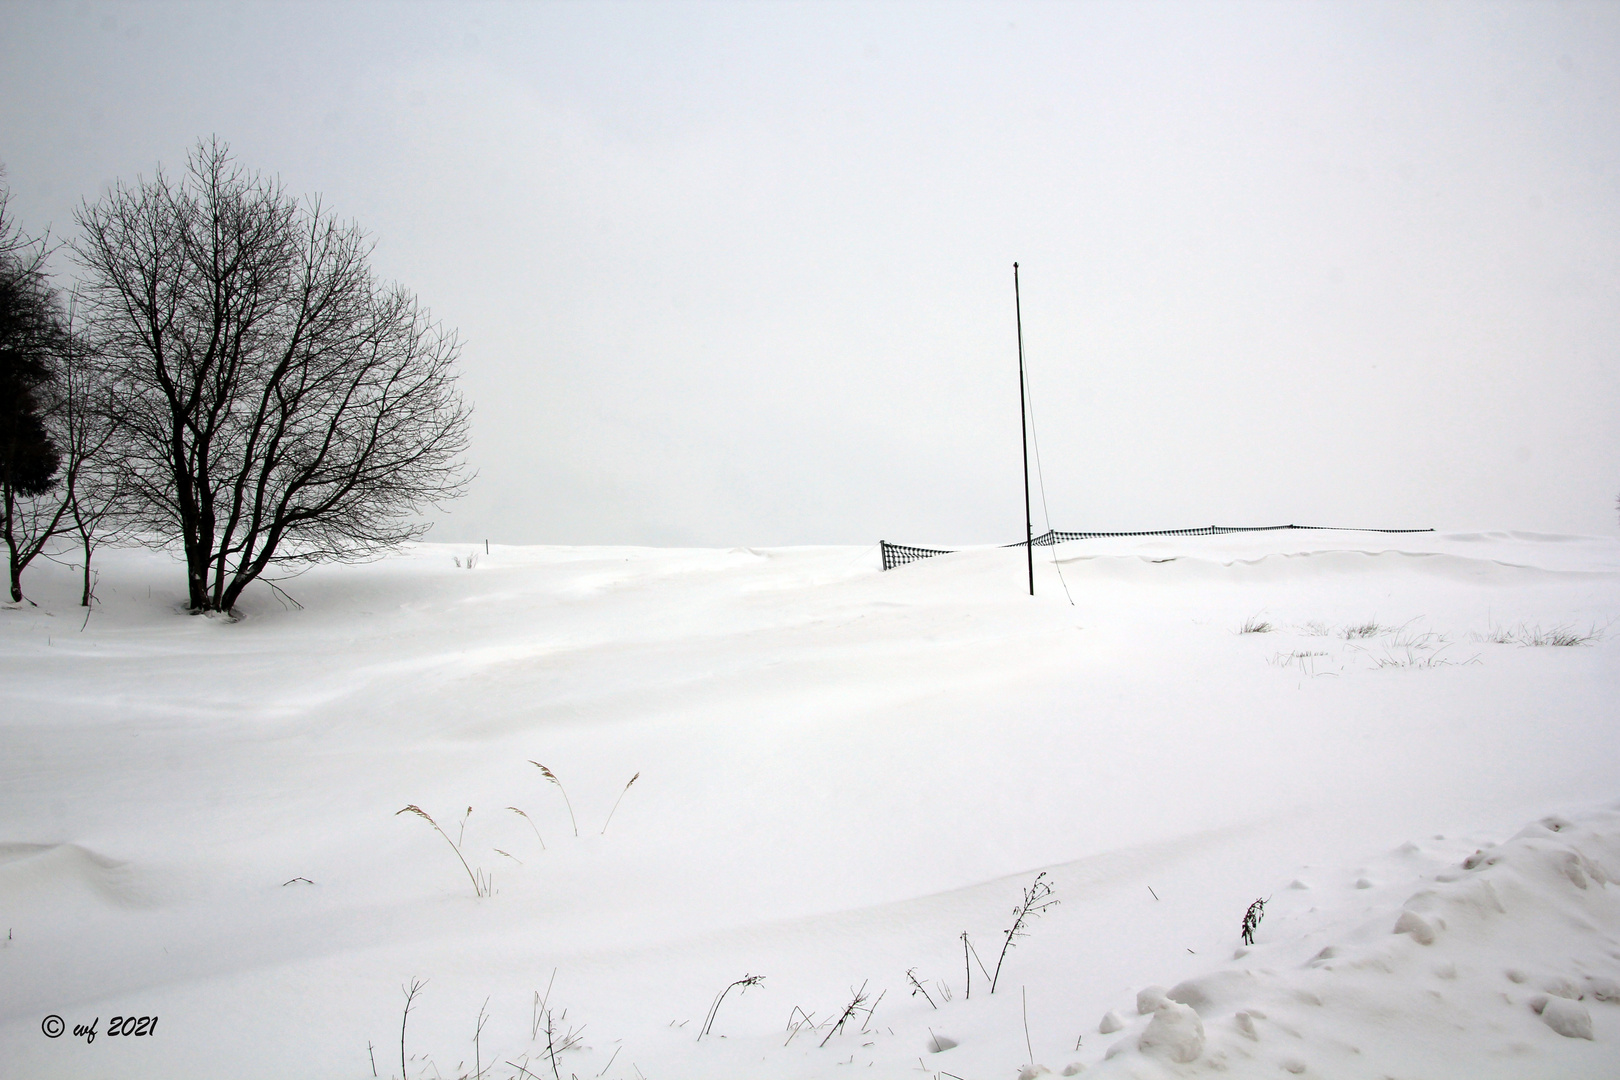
[742,274]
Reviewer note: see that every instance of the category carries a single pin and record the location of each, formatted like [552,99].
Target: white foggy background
[742,273]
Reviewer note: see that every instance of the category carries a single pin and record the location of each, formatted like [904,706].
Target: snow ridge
[1506,964]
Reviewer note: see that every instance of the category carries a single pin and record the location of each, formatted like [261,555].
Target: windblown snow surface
[840,773]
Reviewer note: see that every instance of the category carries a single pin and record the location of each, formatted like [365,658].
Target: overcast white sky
[742,273]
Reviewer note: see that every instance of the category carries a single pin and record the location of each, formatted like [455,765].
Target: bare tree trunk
[84,600]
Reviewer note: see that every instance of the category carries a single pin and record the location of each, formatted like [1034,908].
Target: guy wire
[1041,482]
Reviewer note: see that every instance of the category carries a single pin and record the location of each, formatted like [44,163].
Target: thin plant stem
[423,814]
[549,775]
[410,996]
[532,825]
[1023,992]
[616,803]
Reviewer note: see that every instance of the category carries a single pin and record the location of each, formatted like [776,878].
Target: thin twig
[849,1010]
[478,1033]
[967,967]
[410,996]
[1023,992]
[540,1004]
[872,1010]
[982,970]
[917,987]
[809,1020]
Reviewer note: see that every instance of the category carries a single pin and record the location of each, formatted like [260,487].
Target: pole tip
[1015,266]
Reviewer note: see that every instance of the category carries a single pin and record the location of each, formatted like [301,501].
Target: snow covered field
[841,771]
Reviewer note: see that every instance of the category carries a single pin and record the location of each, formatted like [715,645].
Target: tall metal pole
[1023,429]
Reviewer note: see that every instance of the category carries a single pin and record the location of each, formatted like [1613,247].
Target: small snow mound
[1363,883]
[1190,994]
[1073,1068]
[1245,1026]
[1030,1072]
[1208,992]
[1564,988]
[1110,1023]
[1569,1018]
[1515,975]
[1602,988]
[1412,923]
[47,874]
[1176,1034]
[1297,884]
[938,1044]
[1150,999]
[1293,1065]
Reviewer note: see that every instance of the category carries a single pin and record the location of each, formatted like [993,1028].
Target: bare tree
[283,406]
[97,486]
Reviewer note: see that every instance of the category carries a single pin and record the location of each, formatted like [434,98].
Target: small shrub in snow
[1255,625]
[1037,898]
[1251,920]
[857,999]
[745,982]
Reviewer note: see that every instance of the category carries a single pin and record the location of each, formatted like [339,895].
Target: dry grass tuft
[1526,636]
[549,775]
[482,884]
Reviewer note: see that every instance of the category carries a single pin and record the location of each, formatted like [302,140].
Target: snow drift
[846,780]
